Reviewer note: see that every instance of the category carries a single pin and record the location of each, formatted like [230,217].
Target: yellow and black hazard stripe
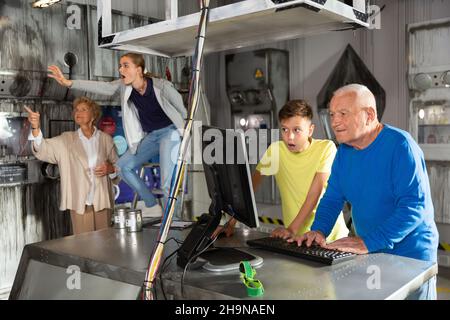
[262,219]
[442,290]
[444,246]
[270,220]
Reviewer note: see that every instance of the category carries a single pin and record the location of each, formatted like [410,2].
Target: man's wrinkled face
[347,119]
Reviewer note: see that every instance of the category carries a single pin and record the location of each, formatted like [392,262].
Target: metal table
[112,265]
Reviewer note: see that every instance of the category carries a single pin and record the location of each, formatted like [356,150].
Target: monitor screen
[229,185]
[228,175]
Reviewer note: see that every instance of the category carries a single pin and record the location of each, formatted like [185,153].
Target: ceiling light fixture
[44,3]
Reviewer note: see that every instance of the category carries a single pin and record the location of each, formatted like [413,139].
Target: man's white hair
[364,96]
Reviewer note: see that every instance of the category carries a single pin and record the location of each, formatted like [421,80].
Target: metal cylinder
[3,149]
[134,221]
[120,217]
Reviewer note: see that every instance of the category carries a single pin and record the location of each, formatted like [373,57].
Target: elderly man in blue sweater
[381,171]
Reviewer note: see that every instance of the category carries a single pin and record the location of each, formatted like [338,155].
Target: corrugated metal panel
[31,39]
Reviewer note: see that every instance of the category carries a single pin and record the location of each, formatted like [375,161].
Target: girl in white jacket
[152,111]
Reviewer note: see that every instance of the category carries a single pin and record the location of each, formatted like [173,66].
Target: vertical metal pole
[171,9]
[177,179]
[104,12]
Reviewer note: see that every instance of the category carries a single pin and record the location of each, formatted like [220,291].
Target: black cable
[163,267]
[190,261]
[174,239]
[161,270]
[145,283]
[197,255]
[145,289]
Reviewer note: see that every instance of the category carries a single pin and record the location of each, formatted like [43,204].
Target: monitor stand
[216,259]
[212,259]
[227,259]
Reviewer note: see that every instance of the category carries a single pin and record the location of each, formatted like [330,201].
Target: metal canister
[120,217]
[134,220]
[3,150]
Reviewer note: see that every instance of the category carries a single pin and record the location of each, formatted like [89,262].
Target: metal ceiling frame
[241,24]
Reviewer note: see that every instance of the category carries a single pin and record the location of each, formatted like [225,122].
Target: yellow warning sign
[258,74]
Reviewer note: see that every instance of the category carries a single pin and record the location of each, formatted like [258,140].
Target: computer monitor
[14,130]
[229,183]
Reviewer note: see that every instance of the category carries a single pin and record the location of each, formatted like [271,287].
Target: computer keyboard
[315,253]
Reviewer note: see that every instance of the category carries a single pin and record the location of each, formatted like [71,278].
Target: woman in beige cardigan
[86,159]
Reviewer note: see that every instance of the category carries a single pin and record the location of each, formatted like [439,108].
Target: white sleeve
[36,140]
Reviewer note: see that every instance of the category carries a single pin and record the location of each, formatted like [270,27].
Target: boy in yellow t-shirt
[301,166]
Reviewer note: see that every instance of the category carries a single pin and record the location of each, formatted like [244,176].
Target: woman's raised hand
[56,73]
[33,118]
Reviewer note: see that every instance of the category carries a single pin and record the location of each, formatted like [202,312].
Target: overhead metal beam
[171,9]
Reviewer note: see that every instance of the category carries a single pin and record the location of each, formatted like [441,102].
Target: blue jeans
[427,291]
[164,142]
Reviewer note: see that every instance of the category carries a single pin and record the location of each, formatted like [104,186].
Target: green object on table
[254,286]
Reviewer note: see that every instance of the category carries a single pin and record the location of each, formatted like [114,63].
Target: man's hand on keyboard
[349,244]
[282,233]
[309,238]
